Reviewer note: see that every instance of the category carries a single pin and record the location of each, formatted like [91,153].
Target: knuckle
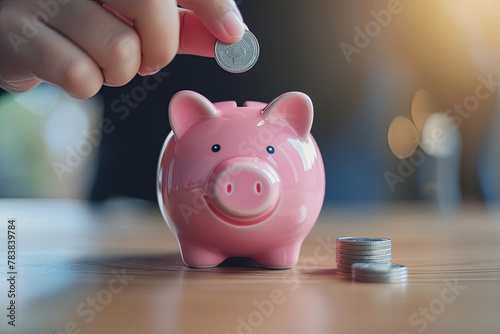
[124,55]
[75,71]
[123,48]
[79,79]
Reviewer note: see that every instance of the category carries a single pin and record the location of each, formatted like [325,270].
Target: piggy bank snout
[244,189]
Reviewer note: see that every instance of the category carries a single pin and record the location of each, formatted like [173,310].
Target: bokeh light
[421,108]
[402,137]
[66,126]
[440,138]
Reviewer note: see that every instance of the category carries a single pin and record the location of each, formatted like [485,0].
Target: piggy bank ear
[295,109]
[185,108]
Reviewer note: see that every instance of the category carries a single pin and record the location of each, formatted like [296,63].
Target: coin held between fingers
[240,56]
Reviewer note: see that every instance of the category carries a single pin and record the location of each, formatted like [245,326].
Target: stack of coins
[379,272]
[361,250]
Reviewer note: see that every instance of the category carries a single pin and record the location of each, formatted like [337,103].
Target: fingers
[221,17]
[195,38]
[157,22]
[53,58]
[113,44]
[84,45]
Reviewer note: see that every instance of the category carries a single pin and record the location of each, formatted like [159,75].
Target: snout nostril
[258,188]
[229,188]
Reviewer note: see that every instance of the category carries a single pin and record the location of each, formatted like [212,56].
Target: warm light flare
[402,137]
[421,108]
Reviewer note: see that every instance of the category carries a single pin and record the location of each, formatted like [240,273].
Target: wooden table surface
[117,269]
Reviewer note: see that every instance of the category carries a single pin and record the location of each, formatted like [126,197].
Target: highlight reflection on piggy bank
[240,181]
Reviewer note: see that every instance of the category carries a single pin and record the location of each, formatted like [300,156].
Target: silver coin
[364,257]
[381,279]
[379,273]
[344,271]
[349,264]
[393,278]
[342,251]
[362,247]
[375,276]
[363,241]
[378,269]
[345,263]
[240,56]
[395,274]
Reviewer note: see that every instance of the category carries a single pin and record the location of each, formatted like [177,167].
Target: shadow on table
[161,264]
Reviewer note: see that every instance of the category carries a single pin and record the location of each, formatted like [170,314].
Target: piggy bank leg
[200,257]
[279,258]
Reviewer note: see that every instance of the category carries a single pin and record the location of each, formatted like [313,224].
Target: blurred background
[405,96]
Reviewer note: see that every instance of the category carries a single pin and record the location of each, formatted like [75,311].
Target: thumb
[221,17]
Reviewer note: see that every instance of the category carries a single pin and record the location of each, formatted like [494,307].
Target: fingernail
[149,70]
[233,24]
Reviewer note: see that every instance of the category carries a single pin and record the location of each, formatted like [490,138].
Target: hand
[80,45]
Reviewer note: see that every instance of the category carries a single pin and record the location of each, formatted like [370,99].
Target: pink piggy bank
[240,181]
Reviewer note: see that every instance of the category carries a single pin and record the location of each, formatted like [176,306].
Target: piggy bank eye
[216,148]
[270,149]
